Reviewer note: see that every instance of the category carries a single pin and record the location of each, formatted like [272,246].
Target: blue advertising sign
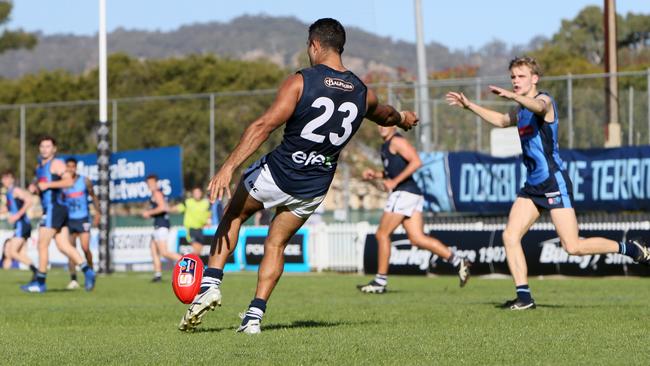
[432,180]
[603,179]
[128,170]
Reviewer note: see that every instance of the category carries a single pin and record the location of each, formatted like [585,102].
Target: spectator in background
[196,209]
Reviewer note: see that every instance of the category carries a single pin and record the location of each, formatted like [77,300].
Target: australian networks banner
[603,179]
[128,172]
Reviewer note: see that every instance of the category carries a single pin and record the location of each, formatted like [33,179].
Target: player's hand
[96,220]
[457,99]
[12,219]
[32,188]
[368,174]
[220,185]
[503,93]
[42,186]
[409,120]
[389,185]
[146,214]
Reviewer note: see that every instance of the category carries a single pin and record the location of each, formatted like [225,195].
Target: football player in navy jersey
[404,206]
[51,179]
[547,184]
[322,107]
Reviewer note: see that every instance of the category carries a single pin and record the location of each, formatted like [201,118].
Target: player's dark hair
[329,32]
[152,176]
[197,186]
[526,61]
[47,138]
[71,160]
[7,173]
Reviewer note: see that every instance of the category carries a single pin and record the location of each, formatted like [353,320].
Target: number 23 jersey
[328,114]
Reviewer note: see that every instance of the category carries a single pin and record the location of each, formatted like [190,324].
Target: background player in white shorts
[404,206]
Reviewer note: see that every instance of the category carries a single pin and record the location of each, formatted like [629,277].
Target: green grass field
[322,319]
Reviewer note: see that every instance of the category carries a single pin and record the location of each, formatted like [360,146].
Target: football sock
[381,279]
[33,268]
[255,310]
[157,274]
[41,277]
[454,260]
[629,249]
[523,294]
[84,267]
[211,278]
[73,276]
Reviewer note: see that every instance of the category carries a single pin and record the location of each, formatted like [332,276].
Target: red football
[186,278]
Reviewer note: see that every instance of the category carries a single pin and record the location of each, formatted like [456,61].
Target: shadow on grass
[499,305]
[293,325]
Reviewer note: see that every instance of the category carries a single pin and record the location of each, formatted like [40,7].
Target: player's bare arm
[541,104]
[58,168]
[27,203]
[256,133]
[386,115]
[370,174]
[91,193]
[493,117]
[402,147]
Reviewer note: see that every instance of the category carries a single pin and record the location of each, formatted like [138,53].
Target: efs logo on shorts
[186,274]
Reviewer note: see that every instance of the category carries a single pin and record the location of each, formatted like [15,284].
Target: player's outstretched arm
[386,115]
[256,133]
[493,117]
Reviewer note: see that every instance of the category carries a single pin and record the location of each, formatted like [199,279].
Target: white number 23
[308,131]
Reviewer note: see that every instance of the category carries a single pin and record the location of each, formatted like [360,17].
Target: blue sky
[457,24]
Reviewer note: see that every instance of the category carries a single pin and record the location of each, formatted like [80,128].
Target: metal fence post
[114,127]
[630,116]
[479,124]
[212,147]
[569,87]
[23,137]
[435,125]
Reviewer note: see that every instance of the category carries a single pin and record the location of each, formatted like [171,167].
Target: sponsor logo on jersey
[300,157]
[338,84]
[526,131]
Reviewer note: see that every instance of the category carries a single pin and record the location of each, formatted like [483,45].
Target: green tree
[10,40]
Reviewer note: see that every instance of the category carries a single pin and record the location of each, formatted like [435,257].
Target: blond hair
[526,61]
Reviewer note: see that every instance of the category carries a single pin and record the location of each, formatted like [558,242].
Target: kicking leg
[241,207]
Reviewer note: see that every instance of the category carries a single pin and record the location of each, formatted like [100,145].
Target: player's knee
[510,238]
[382,235]
[573,248]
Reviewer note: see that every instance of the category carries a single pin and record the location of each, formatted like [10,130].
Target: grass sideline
[323,319]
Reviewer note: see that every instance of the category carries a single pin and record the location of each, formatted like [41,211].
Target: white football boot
[208,300]
[252,326]
[73,285]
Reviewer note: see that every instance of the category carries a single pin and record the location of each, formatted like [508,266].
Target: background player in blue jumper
[547,184]
[322,106]
[76,199]
[19,202]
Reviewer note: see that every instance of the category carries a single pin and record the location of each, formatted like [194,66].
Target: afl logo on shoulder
[338,84]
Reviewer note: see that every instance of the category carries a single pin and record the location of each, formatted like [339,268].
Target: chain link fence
[208,126]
